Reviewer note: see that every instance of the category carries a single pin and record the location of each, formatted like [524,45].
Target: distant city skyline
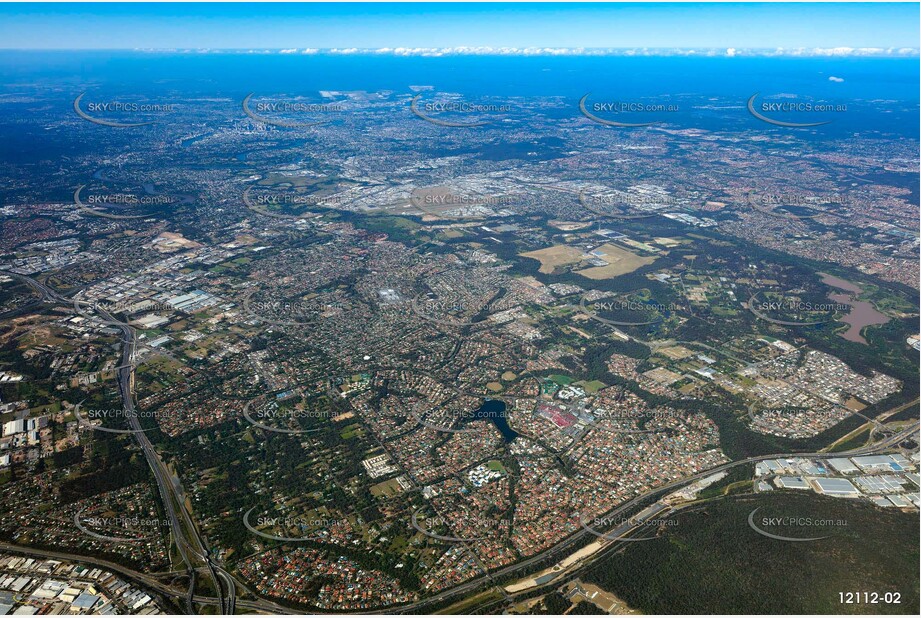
[798,29]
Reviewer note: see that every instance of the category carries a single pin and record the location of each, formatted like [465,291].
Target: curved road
[172,495]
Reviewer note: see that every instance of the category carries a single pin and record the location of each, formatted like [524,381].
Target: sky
[547,27]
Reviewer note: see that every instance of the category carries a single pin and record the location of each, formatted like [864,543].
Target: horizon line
[709,52]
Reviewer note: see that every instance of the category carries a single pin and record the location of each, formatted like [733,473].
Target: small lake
[494,410]
[862,313]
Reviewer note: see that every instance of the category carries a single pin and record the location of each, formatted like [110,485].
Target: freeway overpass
[196,555]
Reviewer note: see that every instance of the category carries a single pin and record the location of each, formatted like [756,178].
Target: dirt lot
[557,255]
[620,262]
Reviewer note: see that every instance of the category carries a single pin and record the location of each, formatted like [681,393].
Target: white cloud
[836,79]
[907,52]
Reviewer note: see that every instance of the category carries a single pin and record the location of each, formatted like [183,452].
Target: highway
[195,553]
[148,580]
[185,533]
[47,294]
[581,534]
